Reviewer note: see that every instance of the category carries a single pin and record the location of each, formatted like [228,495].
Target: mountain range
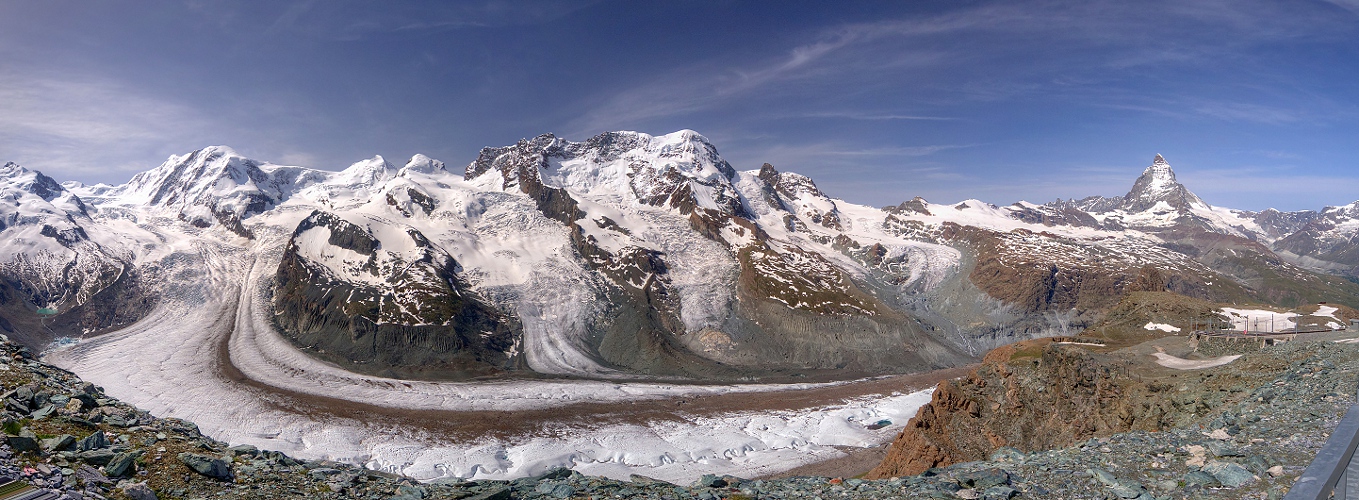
[631,256]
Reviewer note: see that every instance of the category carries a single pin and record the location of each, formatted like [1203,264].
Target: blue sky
[1255,104]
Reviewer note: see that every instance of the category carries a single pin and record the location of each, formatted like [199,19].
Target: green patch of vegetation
[1034,351]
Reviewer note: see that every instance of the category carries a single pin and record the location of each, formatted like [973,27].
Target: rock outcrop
[394,307]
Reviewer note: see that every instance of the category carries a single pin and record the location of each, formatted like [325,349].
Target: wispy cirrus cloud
[88,128]
[350,20]
[987,53]
[852,115]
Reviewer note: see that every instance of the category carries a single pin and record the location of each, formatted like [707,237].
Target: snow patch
[1169,361]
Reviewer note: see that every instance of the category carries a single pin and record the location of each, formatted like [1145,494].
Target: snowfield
[1161,326]
[1169,361]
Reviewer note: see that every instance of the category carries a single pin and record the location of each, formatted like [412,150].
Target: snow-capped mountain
[56,257]
[1157,185]
[636,255]
[1321,241]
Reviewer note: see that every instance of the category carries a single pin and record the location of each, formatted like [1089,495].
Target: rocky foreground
[1247,430]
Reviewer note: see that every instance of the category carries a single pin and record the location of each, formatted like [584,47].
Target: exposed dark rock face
[914,206]
[418,319]
[1061,215]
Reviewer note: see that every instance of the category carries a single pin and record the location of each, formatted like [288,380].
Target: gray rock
[122,464]
[59,443]
[1200,478]
[1127,490]
[1229,474]
[710,481]
[1223,449]
[563,491]
[90,475]
[1006,454]
[240,450]
[87,402]
[1257,464]
[1103,476]
[496,493]
[139,491]
[24,395]
[984,479]
[96,457]
[643,480]
[999,493]
[408,492]
[25,441]
[93,442]
[555,473]
[208,466]
[1166,485]
[43,412]
[323,472]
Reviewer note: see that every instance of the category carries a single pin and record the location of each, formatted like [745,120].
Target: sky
[1254,103]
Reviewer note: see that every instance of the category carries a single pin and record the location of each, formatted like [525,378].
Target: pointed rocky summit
[1157,184]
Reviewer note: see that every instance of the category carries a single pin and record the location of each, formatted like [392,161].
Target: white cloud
[87,129]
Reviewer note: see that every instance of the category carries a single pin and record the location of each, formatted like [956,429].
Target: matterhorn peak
[1157,184]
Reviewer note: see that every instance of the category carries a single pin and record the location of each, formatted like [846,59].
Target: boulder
[122,464]
[25,441]
[212,467]
[58,443]
[93,442]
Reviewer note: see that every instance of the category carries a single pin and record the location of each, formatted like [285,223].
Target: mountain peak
[423,164]
[32,181]
[1157,184]
[11,169]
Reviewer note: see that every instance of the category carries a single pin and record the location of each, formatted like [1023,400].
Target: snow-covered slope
[52,251]
[623,256]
